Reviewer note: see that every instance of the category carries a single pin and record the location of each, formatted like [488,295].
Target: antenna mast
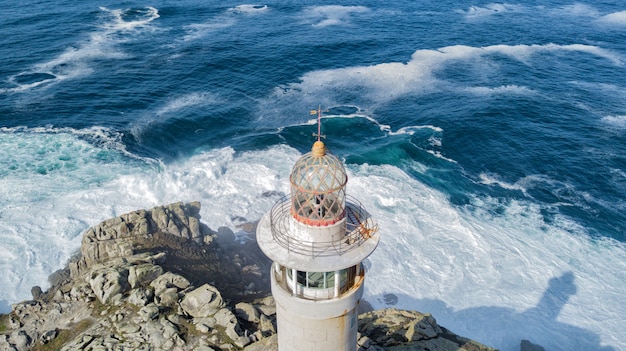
[319,122]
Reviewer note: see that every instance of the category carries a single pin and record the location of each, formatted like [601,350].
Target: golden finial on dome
[318,149]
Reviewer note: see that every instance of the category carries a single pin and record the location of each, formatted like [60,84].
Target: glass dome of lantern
[318,181]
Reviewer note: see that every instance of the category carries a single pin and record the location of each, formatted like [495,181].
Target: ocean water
[487,139]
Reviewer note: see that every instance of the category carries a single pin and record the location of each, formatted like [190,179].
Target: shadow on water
[507,327]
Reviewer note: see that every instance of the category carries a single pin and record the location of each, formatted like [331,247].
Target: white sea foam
[42,174]
[472,269]
[369,86]
[503,89]
[523,184]
[387,130]
[197,31]
[578,10]
[618,122]
[249,9]
[569,195]
[616,18]
[331,15]
[476,12]
[410,130]
[130,19]
[189,100]
[172,110]
[77,61]
[475,271]
[607,88]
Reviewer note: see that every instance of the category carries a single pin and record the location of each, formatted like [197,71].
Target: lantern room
[318,182]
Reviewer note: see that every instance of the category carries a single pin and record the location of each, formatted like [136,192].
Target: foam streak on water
[78,60]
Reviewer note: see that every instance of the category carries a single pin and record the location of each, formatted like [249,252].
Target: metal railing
[359,228]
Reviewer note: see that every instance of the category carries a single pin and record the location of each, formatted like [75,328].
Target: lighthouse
[317,237]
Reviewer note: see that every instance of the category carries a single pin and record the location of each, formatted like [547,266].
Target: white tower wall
[316,325]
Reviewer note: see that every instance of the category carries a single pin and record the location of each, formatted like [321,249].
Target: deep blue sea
[487,139]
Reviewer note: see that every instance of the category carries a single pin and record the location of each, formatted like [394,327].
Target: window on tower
[322,284]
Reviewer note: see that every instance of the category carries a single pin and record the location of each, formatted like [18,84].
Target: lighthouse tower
[317,238]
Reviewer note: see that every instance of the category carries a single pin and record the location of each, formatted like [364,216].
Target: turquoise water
[488,139]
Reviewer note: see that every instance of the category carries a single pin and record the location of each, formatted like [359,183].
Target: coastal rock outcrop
[394,329]
[121,236]
[158,280]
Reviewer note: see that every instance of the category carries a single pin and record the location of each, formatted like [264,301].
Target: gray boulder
[109,282]
[227,320]
[141,297]
[143,274]
[399,330]
[20,340]
[48,336]
[202,302]
[247,312]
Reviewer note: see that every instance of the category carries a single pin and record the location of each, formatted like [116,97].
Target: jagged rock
[149,312]
[204,325]
[141,297]
[267,306]
[169,332]
[81,292]
[179,219]
[36,292]
[426,328]
[267,344]
[204,348]
[143,274]
[266,326]
[226,319]
[247,312]
[5,344]
[59,277]
[395,327]
[204,301]
[48,336]
[108,282]
[169,280]
[20,340]
[242,341]
[13,322]
[400,330]
[267,310]
[364,343]
[115,237]
[129,329]
[168,297]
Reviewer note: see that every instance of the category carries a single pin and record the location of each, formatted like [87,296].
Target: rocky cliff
[159,279]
